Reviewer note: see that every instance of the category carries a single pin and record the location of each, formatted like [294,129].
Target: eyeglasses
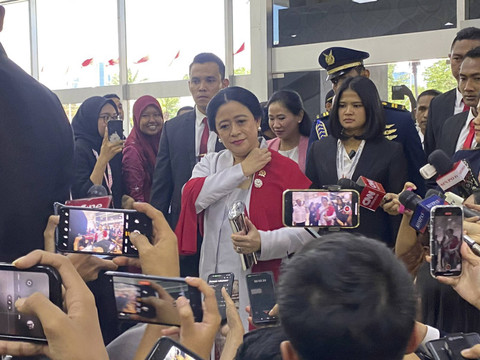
[107,117]
[156,116]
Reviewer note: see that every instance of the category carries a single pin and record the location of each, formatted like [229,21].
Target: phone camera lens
[29,282]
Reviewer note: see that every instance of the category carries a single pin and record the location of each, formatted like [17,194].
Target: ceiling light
[363,1]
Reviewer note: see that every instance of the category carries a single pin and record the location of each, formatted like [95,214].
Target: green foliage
[403,79]
[439,77]
[241,71]
[169,107]
[131,78]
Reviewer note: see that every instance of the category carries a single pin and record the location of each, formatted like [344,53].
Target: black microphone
[97,191]
[345,183]
[420,207]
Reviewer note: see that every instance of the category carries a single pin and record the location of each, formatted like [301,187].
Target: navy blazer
[381,160]
[399,127]
[441,108]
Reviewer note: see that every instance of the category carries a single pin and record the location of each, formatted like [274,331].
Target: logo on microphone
[369,198]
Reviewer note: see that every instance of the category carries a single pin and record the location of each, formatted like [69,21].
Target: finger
[140,242]
[186,313]
[161,227]
[51,316]
[171,331]
[22,348]
[103,264]
[49,233]
[227,298]
[162,293]
[409,184]
[211,315]
[126,261]
[447,280]
[70,277]
[471,353]
[274,311]
[250,225]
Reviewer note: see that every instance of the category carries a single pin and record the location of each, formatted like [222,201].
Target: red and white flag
[87,62]
[142,60]
[240,49]
[175,58]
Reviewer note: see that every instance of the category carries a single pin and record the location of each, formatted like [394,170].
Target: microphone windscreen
[440,161]
[345,183]
[97,191]
[432,192]
[409,199]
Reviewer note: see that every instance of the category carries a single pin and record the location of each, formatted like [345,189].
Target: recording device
[371,192]
[321,208]
[115,130]
[236,217]
[449,347]
[21,283]
[96,191]
[151,299]
[457,177]
[168,349]
[261,293]
[446,233]
[420,207]
[453,199]
[99,231]
[219,281]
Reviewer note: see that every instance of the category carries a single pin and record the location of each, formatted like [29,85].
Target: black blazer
[447,140]
[175,162]
[441,108]
[381,160]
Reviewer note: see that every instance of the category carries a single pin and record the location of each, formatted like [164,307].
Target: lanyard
[345,169]
[109,179]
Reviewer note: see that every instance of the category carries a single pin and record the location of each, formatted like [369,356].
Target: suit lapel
[189,127]
[455,131]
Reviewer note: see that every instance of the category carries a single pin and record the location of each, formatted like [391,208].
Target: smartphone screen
[446,231]
[100,231]
[115,130]
[151,299]
[217,281]
[261,293]
[320,208]
[15,284]
[449,347]
[167,349]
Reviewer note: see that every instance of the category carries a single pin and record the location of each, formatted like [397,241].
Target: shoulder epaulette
[389,105]
[321,129]
[322,116]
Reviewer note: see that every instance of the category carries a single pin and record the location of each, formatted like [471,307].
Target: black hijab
[85,121]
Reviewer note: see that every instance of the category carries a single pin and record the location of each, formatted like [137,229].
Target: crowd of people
[339,296]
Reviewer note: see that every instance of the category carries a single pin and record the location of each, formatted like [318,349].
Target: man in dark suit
[457,132]
[35,158]
[450,103]
[185,139]
[342,63]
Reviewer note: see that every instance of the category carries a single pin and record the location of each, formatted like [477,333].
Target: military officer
[342,63]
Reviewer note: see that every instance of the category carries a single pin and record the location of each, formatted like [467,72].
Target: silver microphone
[236,217]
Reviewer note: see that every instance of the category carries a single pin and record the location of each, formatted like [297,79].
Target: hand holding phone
[217,282]
[115,130]
[67,333]
[261,293]
[166,349]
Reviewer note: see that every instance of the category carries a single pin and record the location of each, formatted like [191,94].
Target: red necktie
[465,107]
[471,134]
[204,139]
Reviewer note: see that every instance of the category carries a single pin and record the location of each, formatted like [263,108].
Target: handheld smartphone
[115,130]
[261,292]
[446,230]
[99,231]
[217,281]
[168,349]
[15,284]
[449,348]
[321,208]
[151,299]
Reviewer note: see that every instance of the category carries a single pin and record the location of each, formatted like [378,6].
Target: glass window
[241,37]
[15,36]
[76,41]
[472,9]
[305,22]
[164,36]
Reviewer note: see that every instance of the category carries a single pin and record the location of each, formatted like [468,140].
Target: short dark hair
[347,297]
[203,58]
[375,118]
[429,92]
[262,344]
[234,93]
[111,96]
[473,54]
[185,108]
[293,102]
[469,33]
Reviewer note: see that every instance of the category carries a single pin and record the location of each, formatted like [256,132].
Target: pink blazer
[274,144]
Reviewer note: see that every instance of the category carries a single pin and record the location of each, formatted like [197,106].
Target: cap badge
[329,58]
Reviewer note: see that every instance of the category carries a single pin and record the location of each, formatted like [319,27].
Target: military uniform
[399,123]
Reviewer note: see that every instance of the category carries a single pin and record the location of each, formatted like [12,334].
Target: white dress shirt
[212,136]
[464,133]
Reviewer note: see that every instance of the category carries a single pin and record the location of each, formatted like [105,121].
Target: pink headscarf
[147,145]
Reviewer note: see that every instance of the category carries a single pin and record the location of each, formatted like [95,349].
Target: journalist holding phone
[357,147]
[97,161]
[245,171]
